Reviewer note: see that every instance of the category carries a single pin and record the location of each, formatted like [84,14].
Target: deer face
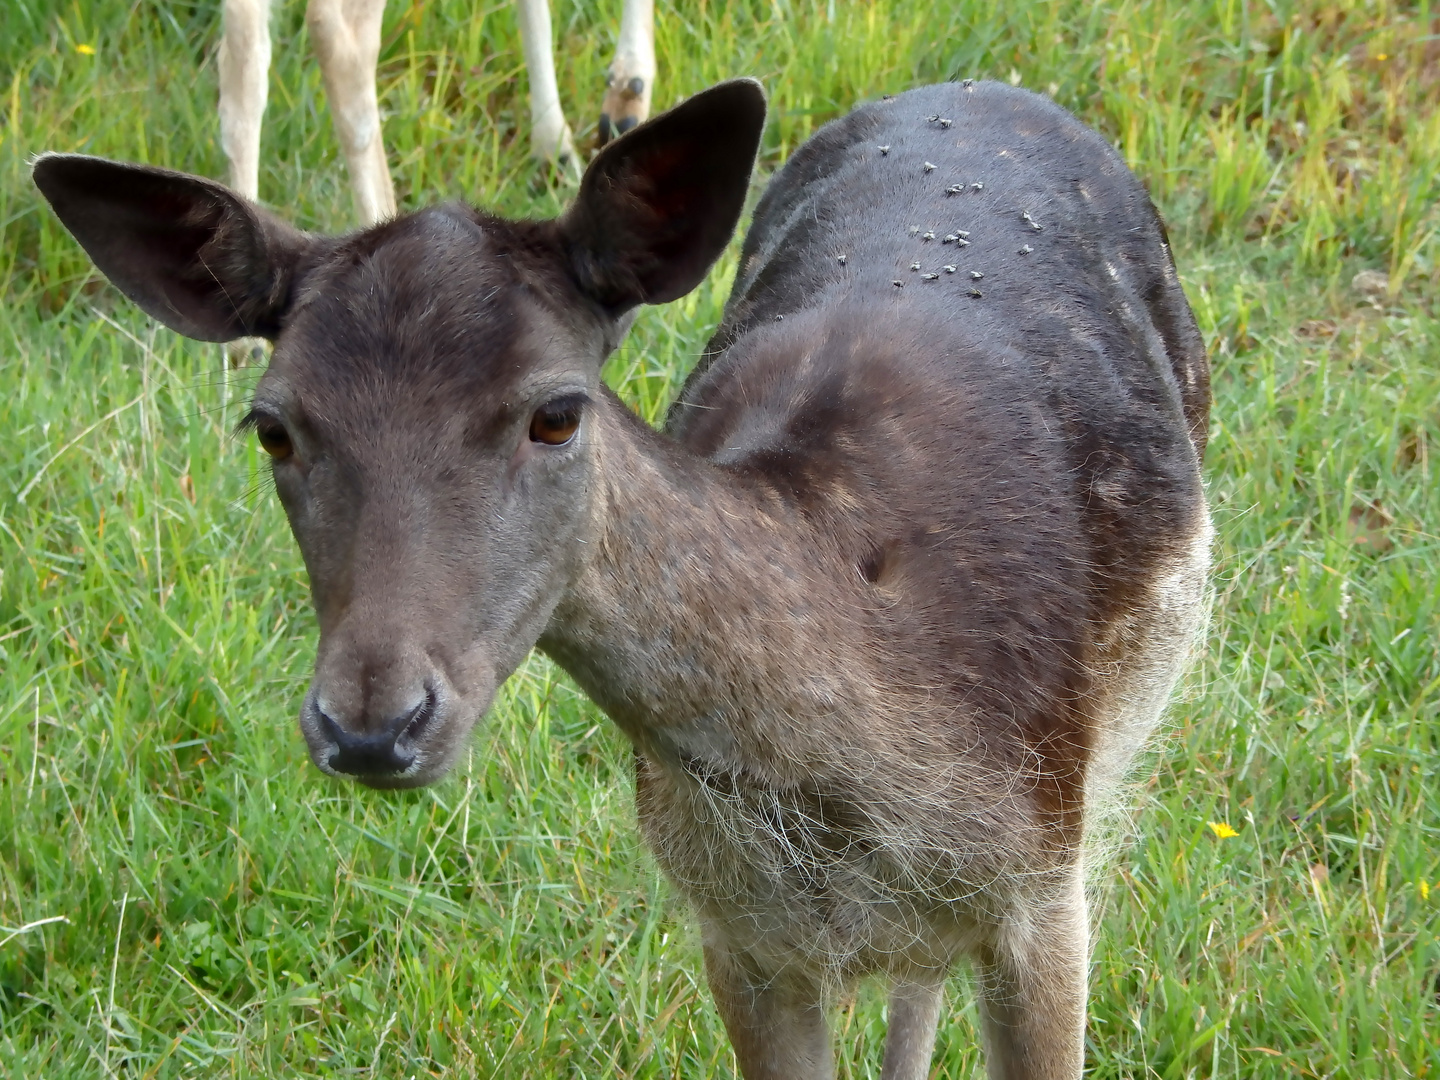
[430,414]
[433,407]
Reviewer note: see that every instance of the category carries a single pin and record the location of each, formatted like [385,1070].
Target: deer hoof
[242,352]
[626,104]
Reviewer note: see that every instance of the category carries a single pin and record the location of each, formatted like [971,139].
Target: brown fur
[887,611]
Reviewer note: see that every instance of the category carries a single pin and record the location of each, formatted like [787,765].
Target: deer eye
[274,439]
[556,422]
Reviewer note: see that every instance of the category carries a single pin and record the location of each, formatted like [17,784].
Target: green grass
[220,909]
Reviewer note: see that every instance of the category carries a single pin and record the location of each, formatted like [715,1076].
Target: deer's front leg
[550,138]
[777,1028]
[1032,988]
[346,35]
[244,81]
[244,64]
[910,1034]
[632,74]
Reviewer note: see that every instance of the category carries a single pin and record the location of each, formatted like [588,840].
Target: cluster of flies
[960,238]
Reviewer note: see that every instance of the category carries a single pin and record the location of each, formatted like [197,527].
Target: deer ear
[658,205]
[192,253]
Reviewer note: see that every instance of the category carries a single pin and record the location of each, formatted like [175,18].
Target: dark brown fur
[888,610]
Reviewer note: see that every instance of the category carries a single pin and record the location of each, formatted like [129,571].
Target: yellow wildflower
[85,50]
[1222,829]
[1424,890]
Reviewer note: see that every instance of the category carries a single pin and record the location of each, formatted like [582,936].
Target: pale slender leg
[244,64]
[550,138]
[632,74]
[1032,990]
[778,1030]
[346,36]
[244,82]
[910,1035]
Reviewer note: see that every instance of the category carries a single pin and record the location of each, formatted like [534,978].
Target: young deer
[886,612]
[346,36]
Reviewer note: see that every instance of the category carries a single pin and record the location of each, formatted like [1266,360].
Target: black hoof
[604,129]
[624,124]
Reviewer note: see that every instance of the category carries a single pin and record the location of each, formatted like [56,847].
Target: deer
[887,610]
[346,38]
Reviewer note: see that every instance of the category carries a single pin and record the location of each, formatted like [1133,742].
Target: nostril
[418,717]
[381,752]
[331,730]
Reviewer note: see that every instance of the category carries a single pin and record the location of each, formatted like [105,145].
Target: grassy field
[182,894]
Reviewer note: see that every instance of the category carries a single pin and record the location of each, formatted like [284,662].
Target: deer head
[433,406]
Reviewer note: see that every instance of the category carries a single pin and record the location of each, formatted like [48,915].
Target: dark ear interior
[192,253]
[659,204]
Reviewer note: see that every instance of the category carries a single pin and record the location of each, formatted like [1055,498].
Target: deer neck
[703,620]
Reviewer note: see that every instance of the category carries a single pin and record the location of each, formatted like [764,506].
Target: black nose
[378,753]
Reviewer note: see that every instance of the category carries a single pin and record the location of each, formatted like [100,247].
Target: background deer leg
[346,36]
[550,138]
[244,83]
[778,1029]
[632,74]
[910,1034]
[244,64]
[1032,989]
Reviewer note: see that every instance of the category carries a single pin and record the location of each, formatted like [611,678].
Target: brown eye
[555,424]
[273,439]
